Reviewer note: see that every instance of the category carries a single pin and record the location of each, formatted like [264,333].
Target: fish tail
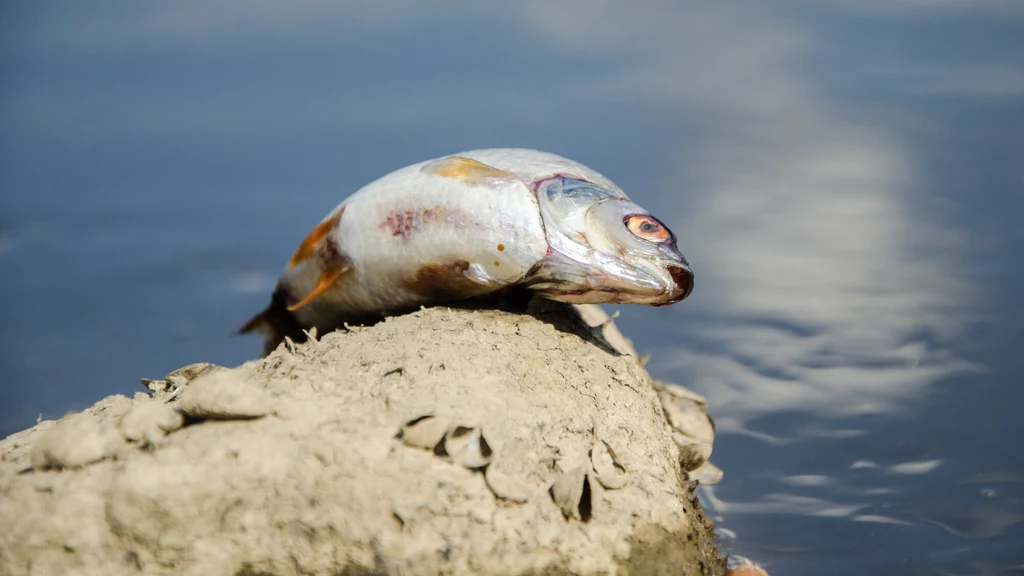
[260,322]
[275,322]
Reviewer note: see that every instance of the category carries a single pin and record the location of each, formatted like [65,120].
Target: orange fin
[309,245]
[327,279]
[467,170]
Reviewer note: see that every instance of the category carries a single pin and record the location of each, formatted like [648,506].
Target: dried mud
[321,459]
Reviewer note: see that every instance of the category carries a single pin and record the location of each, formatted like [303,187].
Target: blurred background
[846,178]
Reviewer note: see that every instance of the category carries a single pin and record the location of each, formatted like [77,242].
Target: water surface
[845,178]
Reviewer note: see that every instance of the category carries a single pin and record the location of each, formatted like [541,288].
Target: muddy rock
[444,441]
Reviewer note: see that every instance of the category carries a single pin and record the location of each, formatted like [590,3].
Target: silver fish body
[471,224]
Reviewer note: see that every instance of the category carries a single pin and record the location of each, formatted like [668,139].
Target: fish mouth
[683,279]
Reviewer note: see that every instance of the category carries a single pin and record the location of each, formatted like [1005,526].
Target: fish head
[607,249]
[635,254]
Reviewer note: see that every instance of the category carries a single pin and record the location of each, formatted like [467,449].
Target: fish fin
[275,322]
[467,170]
[328,277]
[543,286]
[447,281]
[478,274]
[313,240]
[258,323]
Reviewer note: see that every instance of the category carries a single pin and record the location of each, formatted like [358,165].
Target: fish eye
[647,228]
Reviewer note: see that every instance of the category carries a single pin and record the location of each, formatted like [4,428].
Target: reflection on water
[842,176]
[826,279]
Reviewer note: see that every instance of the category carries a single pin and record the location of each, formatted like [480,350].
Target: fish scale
[471,224]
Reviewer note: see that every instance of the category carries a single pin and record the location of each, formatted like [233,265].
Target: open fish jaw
[594,256]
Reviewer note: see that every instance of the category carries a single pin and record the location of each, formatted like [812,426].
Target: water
[845,178]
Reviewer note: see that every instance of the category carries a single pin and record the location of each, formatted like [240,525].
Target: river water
[846,178]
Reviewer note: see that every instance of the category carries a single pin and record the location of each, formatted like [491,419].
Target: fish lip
[683,278]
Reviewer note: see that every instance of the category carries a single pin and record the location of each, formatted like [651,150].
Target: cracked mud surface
[292,464]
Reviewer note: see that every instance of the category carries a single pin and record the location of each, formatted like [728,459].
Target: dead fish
[470,224]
